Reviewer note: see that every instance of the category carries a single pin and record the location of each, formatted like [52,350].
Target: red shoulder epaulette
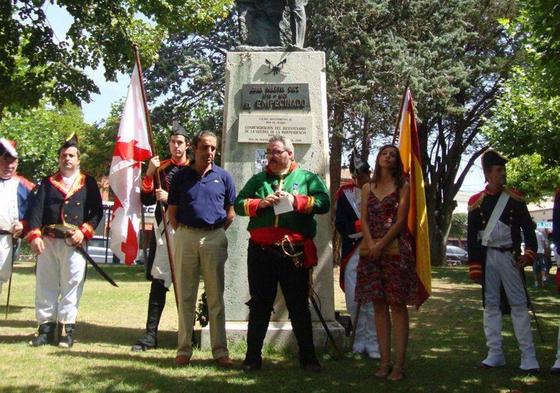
[514,194]
[343,187]
[476,200]
[26,183]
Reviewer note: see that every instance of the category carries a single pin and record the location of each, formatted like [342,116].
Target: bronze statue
[272,23]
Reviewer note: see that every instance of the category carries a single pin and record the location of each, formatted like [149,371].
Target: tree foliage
[454,55]
[187,82]
[458,228]
[39,133]
[529,174]
[525,124]
[539,20]
[35,64]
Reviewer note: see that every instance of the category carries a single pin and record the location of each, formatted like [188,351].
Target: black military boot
[45,335]
[66,339]
[156,304]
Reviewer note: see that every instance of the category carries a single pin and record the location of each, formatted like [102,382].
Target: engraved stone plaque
[258,128]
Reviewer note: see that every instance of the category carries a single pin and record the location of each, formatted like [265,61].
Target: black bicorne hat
[492,157]
[357,166]
[178,129]
[71,141]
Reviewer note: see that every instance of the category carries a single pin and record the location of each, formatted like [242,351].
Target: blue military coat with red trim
[515,215]
[347,223]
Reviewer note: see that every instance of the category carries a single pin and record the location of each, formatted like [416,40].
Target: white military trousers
[501,269]
[366,335]
[6,250]
[161,269]
[60,281]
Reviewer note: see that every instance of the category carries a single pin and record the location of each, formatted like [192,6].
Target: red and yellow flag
[409,147]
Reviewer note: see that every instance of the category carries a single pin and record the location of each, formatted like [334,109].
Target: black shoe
[66,335]
[144,343]
[251,367]
[45,335]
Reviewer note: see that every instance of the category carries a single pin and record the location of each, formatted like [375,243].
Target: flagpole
[395,134]
[157,178]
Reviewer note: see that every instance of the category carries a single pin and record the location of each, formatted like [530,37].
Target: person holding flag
[497,220]
[65,212]
[348,224]
[157,268]
[387,270]
[15,193]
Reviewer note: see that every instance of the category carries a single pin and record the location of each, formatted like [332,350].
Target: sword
[288,249]
[65,233]
[521,271]
[14,247]
[539,331]
[97,268]
[325,326]
[355,325]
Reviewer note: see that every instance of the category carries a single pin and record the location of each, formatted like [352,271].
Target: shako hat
[8,147]
[178,129]
[492,157]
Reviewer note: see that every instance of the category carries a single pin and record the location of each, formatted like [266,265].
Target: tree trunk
[334,167]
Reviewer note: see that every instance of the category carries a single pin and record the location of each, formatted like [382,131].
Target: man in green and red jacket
[281,203]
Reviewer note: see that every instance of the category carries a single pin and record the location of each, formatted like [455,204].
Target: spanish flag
[417,215]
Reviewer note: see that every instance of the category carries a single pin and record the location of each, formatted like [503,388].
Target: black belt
[56,233]
[5,232]
[502,249]
[275,246]
[206,227]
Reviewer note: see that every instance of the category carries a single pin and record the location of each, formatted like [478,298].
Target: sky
[110,92]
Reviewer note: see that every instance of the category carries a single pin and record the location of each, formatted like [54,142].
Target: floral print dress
[392,276]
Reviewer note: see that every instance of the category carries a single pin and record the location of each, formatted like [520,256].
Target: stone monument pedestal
[271,93]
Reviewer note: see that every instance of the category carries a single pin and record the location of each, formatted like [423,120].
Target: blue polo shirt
[201,201]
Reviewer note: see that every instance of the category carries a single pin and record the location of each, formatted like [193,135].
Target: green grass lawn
[445,349]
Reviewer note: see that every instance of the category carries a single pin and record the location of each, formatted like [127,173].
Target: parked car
[99,251]
[456,255]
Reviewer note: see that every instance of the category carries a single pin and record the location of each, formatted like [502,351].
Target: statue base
[281,337]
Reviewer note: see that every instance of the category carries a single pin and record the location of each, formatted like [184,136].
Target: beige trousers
[201,252]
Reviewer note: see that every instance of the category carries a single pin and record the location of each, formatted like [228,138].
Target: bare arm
[364,214]
[230,215]
[172,216]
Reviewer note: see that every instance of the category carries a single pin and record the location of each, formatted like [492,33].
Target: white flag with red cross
[131,148]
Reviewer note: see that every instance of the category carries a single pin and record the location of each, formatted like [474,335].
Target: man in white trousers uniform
[64,214]
[15,191]
[349,226]
[497,218]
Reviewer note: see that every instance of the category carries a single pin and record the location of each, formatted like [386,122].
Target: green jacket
[311,197]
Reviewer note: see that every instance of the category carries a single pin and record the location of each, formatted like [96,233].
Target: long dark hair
[397,172]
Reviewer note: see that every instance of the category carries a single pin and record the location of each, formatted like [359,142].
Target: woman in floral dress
[387,270]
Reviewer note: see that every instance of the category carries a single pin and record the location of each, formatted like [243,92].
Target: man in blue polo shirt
[200,203]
